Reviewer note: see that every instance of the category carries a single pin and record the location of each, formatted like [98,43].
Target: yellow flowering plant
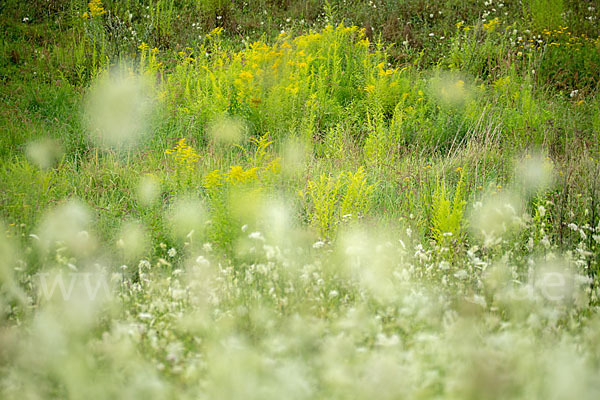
[225,190]
[96,9]
[184,154]
[186,159]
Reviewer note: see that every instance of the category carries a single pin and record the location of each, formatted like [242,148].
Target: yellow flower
[184,154]
[386,72]
[143,46]
[96,8]
[215,32]
[246,75]
[213,180]
[237,174]
[293,89]
[275,165]
[370,88]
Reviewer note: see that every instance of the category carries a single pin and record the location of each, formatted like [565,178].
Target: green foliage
[569,62]
[447,215]
[545,13]
[332,200]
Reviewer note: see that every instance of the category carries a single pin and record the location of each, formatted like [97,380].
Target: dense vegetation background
[299,199]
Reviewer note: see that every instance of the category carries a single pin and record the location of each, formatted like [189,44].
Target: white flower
[172,252]
[207,247]
[319,244]
[333,294]
[202,261]
[545,242]
[385,341]
[541,211]
[256,236]
[431,34]
[530,244]
[462,274]
[479,300]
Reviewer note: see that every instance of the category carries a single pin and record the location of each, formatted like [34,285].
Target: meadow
[300,199]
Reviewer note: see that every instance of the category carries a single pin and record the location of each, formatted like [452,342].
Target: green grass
[299,199]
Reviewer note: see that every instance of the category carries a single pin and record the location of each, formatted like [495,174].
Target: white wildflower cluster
[304,318]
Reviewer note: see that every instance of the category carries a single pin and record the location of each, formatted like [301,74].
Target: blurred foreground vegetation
[299,199]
